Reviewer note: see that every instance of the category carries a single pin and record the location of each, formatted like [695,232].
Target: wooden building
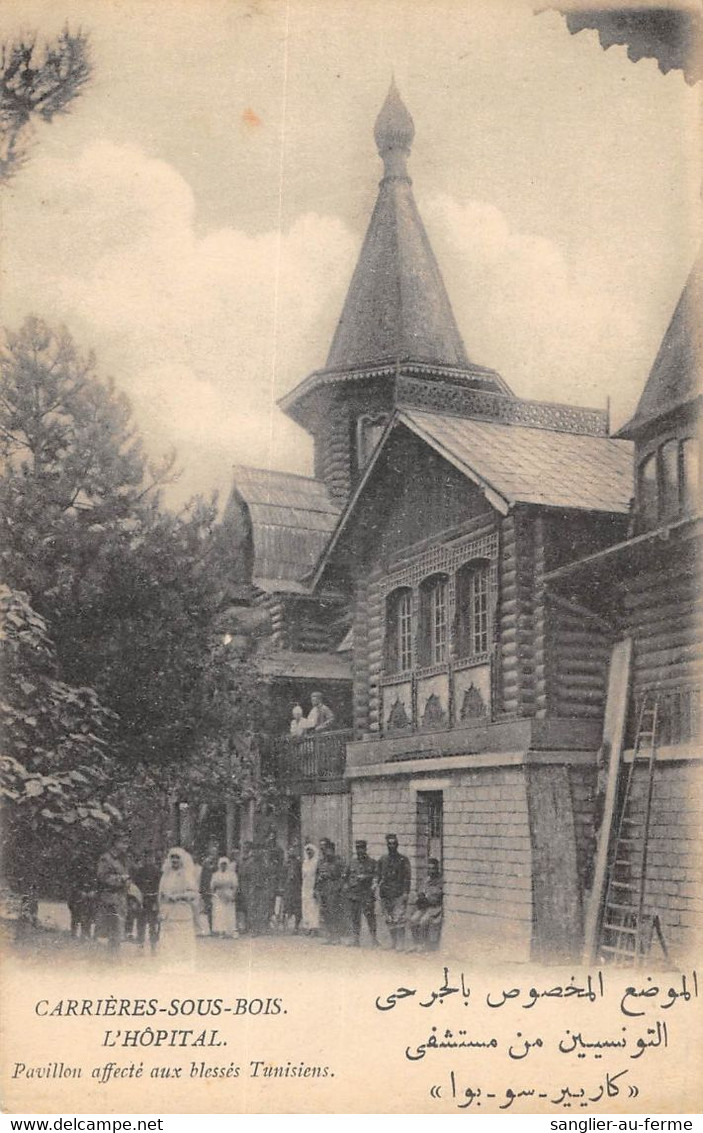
[280,524]
[646,589]
[429,564]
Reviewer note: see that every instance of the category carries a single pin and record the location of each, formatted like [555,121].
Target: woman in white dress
[224,886]
[178,905]
[310,921]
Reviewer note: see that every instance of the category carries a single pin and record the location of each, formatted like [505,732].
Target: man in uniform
[329,883]
[359,889]
[394,877]
[206,871]
[426,919]
[113,884]
[147,878]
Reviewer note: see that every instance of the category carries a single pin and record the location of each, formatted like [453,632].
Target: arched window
[689,473]
[669,479]
[473,615]
[434,636]
[399,631]
[647,489]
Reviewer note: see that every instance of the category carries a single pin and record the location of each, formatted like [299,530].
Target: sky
[196,218]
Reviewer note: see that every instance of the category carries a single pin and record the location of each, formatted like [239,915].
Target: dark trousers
[114,927]
[148,919]
[367,906]
[331,914]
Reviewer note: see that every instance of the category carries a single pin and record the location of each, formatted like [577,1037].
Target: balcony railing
[318,758]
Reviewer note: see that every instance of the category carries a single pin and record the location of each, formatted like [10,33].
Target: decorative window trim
[445,559]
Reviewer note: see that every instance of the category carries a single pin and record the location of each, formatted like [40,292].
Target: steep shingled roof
[675,377]
[514,464]
[397,308]
[532,466]
[291,517]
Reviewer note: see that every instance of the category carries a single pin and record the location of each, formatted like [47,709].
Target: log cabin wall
[274,606]
[313,624]
[575,645]
[339,409]
[661,610]
[507,616]
[525,635]
[332,449]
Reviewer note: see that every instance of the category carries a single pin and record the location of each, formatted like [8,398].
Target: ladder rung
[624,885]
[617,951]
[620,928]
[621,908]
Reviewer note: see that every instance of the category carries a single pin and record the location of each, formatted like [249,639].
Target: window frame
[399,631]
[434,637]
[473,610]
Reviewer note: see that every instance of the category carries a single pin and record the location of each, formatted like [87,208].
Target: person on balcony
[310,922]
[394,876]
[426,919]
[320,717]
[298,725]
[329,887]
[360,893]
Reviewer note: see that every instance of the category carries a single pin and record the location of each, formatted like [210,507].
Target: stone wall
[674,861]
[486,851]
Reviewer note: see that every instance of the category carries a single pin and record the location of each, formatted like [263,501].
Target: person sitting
[426,920]
[321,717]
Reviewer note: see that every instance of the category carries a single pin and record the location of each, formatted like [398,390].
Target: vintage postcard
[350,499]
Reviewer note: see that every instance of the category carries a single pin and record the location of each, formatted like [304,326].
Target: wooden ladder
[625,933]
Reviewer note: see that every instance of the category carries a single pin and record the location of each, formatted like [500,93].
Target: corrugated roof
[535,466]
[292,517]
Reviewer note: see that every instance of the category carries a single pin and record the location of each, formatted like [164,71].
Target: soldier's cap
[391,837]
[361,844]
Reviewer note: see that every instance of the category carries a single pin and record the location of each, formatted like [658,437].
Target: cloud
[204,330]
[552,328]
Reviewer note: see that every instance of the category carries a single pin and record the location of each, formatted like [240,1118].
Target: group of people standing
[259,890]
[337,897]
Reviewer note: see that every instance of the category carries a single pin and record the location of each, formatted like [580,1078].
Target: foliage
[131,591]
[55,771]
[37,83]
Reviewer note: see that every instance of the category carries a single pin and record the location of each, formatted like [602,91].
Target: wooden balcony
[312,765]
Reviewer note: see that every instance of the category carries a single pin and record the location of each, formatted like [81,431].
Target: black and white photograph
[350,500]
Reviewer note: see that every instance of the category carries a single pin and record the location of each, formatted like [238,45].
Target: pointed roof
[397,308]
[675,377]
[510,464]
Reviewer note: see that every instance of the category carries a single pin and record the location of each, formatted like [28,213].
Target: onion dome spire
[394,132]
